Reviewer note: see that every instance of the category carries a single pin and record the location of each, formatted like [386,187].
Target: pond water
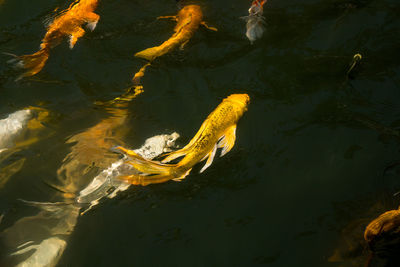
[308,171]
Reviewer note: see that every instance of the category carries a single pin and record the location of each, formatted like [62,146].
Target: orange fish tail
[149,53]
[33,63]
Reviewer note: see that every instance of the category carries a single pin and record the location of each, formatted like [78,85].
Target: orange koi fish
[255,20]
[69,23]
[217,131]
[188,20]
[386,225]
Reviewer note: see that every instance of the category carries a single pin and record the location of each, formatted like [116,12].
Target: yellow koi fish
[69,23]
[217,131]
[188,20]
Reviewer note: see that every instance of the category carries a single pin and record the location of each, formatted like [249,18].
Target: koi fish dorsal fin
[196,137]
[227,141]
[210,158]
[182,152]
[208,27]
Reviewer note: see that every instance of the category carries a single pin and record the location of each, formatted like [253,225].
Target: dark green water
[306,174]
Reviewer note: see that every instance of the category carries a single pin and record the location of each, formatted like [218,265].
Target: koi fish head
[191,9]
[256,7]
[241,101]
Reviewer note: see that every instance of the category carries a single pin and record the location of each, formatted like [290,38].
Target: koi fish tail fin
[150,179]
[34,63]
[150,172]
[175,154]
[149,53]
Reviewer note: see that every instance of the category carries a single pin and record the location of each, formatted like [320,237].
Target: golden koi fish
[386,225]
[188,20]
[68,22]
[217,131]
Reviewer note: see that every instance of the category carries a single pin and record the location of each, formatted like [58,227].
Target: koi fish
[19,122]
[67,23]
[188,21]
[385,226]
[217,131]
[255,21]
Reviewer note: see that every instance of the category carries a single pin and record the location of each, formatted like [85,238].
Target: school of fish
[217,131]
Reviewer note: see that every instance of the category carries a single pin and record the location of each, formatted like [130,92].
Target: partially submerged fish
[105,184]
[386,225]
[17,123]
[217,131]
[255,21]
[188,21]
[68,23]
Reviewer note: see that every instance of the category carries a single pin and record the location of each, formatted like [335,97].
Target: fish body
[255,21]
[17,125]
[217,131]
[11,126]
[104,184]
[68,23]
[188,20]
[386,225]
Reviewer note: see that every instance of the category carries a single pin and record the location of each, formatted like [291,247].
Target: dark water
[306,174]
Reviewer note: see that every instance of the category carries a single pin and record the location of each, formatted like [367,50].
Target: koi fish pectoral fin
[75,35]
[208,27]
[91,25]
[92,19]
[228,140]
[183,44]
[175,18]
[210,158]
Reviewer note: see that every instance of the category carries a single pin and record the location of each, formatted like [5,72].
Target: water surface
[306,174]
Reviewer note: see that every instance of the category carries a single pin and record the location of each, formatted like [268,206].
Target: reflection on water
[40,240]
[18,131]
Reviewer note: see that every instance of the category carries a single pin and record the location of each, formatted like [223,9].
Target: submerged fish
[18,123]
[255,21]
[105,184]
[188,21]
[217,131]
[67,23]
